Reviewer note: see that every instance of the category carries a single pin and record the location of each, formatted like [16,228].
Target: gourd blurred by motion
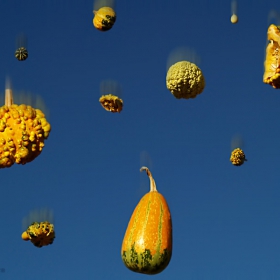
[234,17]
[23,131]
[147,244]
[104,18]
[21,47]
[272,62]
[40,234]
[237,157]
[185,80]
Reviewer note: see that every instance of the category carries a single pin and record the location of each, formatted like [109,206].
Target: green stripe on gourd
[147,244]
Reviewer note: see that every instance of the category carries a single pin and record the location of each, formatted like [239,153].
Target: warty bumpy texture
[185,80]
[23,130]
[41,234]
[237,157]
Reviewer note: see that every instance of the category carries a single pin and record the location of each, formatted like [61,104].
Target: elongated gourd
[272,62]
[147,244]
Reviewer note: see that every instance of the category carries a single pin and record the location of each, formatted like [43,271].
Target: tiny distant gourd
[234,19]
[21,54]
[237,157]
[104,18]
[147,244]
[111,103]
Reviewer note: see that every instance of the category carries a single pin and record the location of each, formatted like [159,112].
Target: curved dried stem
[153,187]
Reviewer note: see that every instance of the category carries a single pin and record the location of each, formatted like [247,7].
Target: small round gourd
[147,244]
[21,54]
[104,18]
[234,19]
[237,157]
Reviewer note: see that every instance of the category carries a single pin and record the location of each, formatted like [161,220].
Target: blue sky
[225,218]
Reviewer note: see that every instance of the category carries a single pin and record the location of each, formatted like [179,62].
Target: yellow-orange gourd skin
[23,130]
[104,18]
[40,234]
[147,244]
[272,63]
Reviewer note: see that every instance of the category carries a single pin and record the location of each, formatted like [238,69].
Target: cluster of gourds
[147,243]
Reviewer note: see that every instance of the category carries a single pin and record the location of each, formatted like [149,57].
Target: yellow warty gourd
[23,130]
[40,234]
[237,157]
[111,103]
[185,80]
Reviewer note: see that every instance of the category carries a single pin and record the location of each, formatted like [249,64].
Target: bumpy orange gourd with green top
[147,244]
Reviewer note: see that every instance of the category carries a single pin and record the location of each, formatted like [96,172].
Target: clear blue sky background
[225,218]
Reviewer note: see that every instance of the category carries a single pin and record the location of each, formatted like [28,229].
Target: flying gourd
[237,157]
[40,234]
[21,54]
[185,80]
[23,130]
[147,244]
[104,18]
[111,103]
[272,63]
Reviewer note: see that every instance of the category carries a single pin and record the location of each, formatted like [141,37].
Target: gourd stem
[153,187]
[8,97]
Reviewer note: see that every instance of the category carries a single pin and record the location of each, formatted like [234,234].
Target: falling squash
[147,244]
[272,63]
[40,234]
[111,103]
[23,131]
[104,18]
[237,157]
[21,54]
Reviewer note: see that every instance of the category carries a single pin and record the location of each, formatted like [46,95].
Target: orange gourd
[104,18]
[147,244]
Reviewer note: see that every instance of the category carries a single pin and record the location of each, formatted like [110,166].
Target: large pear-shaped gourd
[147,244]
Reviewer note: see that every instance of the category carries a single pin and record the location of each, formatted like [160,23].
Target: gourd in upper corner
[147,244]
[104,18]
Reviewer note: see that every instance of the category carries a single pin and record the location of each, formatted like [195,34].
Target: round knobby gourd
[147,244]
[23,130]
[185,80]
[237,157]
[104,18]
